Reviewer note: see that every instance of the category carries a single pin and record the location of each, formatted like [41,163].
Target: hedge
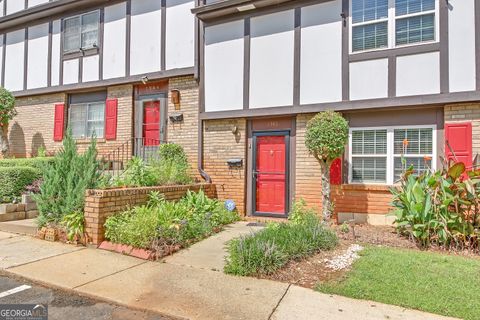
[13,180]
[37,163]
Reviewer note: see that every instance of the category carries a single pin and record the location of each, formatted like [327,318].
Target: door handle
[255,174]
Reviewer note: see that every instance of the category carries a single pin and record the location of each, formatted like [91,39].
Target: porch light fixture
[175,98]
[145,79]
[246,7]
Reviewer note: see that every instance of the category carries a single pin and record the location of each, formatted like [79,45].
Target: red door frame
[286,134]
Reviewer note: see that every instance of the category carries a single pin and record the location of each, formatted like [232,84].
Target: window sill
[87,141]
[80,53]
[365,187]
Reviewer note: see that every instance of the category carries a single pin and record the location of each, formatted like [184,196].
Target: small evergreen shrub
[13,180]
[38,163]
[172,166]
[65,181]
[273,247]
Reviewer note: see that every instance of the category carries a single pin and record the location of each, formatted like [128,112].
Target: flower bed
[167,226]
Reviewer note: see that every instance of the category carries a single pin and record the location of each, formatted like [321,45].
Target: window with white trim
[87,119]
[382,24]
[81,32]
[376,153]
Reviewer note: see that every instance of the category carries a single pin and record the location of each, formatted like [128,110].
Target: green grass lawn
[431,282]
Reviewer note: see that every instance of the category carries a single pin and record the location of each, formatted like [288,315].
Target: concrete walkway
[189,284]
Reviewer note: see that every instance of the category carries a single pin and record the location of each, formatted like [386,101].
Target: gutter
[202,172]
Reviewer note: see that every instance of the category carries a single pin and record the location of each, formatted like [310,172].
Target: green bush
[65,181]
[167,223]
[38,163]
[271,248]
[13,180]
[170,168]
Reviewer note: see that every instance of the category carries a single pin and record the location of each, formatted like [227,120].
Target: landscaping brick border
[101,204]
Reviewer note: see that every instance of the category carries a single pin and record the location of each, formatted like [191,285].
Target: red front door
[151,123]
[458,142]
[271,175]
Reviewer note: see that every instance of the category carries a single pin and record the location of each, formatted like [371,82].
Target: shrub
[38,163]
[325,138]
[271,248]
[163,223]
[13,180]
[441,207]
[137,174]
[65,181]
[172,165]
[7,113]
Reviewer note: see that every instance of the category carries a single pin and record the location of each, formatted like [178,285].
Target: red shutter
[111,119]
[59,122]
[336,172]
[459,137]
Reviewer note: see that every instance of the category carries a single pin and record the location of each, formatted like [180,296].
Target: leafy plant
[163,224]
[439,207]
[14,180]
[300,213]
[65,181]
[137,174]
[42,152]
[75,225]
[7,113]
[172,166]
[325,138]
[268,250]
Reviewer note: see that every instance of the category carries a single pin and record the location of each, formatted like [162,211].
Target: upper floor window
[81,32]
[377,24]
[376,153]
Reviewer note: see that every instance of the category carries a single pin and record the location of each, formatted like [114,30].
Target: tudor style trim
[246,64]
[444,57]
[477,42]
[297,56]
[345,51]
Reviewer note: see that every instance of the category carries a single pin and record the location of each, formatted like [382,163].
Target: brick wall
[221,145]
[33,125]
[308,185]
[467,112]
[101,204]
[185,133]
[362,199]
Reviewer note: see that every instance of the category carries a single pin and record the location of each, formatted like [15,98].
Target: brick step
[265,219]
[27,227]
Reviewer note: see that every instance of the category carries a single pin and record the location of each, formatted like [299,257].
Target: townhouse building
[236,81]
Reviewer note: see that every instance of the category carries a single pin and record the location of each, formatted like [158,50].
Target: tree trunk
[4,140]
[326,202]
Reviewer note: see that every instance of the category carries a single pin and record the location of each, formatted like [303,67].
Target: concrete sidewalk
[189,284]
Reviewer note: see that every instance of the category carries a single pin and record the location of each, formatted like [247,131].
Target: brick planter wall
[101,204]
[362,203]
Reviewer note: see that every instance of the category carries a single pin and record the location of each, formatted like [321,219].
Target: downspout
[202,172]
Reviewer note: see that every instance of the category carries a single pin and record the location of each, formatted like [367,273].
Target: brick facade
[185,133]
[101,204]
[308,182]
[33,126]
[466,112]
[221,145]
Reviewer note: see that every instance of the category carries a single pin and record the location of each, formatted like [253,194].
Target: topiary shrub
[7,112]
[325,138]
[13,180]
[65,181]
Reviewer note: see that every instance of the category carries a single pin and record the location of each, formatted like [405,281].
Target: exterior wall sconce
[235,163]
[175,98]
[234,129]
[145,80]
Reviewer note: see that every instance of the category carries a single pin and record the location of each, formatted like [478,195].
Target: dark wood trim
[477,41]
[80,70]
[293,161]
[4,58]
[108,82]
[101,36]
[60,76]
[297,56]
[25,60]
[196,44]
[392,77]
[81,53]
[25,5]
[163,36]
[201,58]
[49,58]
[246,64]
[407,101]
[4,8]
[345,51]
[443,38]
[128,22]
[394,52]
